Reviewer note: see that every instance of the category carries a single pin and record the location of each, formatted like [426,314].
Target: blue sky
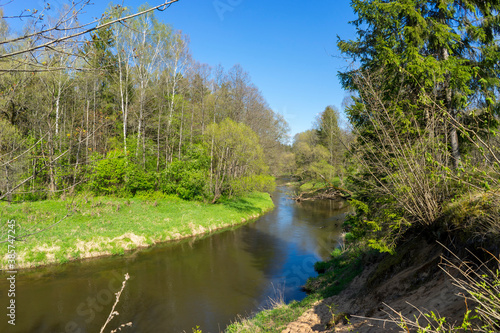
[287,47]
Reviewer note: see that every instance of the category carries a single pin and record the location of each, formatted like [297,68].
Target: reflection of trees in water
[209,282]
[193,282]
[316,211]
[267,250]
[323,219]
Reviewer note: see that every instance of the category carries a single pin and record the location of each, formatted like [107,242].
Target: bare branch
[74,35]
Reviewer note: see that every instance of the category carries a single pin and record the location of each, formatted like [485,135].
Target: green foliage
[126,114]
[438,324]
[108,174]
[187,178]
[236,159]
[417,85]
[336,273]
[272,320]
[253,183]
[312,185]
[330,135]
[116,174]
[312,158]
[138,180]
[478,214]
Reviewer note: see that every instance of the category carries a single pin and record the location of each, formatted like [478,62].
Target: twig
[114,313]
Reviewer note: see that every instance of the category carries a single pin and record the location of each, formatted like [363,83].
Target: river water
[174,287]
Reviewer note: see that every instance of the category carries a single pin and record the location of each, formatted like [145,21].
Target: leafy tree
[236,153]
[329,133]
[312,157]
[123,108]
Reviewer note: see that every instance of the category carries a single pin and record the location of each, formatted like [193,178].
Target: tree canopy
[122,109]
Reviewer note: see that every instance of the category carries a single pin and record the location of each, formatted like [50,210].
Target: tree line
[126,108]
[318,156]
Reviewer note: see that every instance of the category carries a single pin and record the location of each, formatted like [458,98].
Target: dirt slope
[408,283]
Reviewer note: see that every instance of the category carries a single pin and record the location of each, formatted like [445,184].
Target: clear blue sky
[287,47]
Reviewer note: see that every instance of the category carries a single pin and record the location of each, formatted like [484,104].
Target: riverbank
[84,227]
[335,276]
[319,190]
[422,285]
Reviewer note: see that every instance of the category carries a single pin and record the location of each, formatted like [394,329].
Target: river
[174,287]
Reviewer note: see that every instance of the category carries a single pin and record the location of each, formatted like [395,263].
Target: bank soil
[331,192]
[408,284]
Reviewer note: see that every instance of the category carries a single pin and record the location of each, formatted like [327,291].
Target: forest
[420,156]
[126,108]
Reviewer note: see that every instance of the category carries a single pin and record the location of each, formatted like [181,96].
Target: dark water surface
[177,286]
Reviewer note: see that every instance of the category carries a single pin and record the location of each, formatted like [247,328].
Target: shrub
[138,180]
[187,178]
[108,174]
[117,174]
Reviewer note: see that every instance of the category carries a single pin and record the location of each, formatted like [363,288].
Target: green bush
[108,174]
[138,180]
[187,178]
[116,174]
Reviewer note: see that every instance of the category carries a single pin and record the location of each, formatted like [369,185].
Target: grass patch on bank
[336,273]
[105,225]
[273,320]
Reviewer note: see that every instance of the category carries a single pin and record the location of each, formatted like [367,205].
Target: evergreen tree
[426,87]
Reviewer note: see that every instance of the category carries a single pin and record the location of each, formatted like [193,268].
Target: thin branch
[114,313]
[104,25]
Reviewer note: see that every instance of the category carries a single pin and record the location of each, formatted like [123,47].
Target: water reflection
[177,286]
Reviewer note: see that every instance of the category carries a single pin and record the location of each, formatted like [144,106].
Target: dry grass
[480,285]
[478,213]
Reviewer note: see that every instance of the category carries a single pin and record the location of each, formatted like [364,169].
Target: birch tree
[177,59]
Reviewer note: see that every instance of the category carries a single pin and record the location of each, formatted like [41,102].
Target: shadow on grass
[242,205]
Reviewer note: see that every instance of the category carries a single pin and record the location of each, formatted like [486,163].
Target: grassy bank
[272,320]
[97,226]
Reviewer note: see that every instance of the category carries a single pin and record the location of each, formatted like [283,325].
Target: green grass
[273,320]
[337,273]
[98,226]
